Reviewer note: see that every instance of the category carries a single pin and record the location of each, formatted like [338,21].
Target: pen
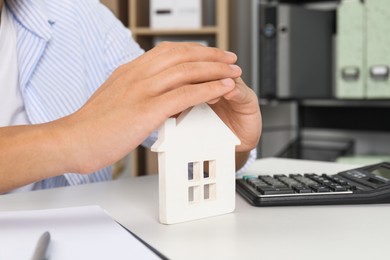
[42,245]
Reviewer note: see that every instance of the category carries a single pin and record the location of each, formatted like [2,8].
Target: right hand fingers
[162,48]
[167,55]
[190,73]
[179,99]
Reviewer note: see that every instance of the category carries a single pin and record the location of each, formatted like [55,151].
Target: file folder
[304,52]
[295,51]
[378,48]
[351,72]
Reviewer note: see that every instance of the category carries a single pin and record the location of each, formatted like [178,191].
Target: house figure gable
[196,142]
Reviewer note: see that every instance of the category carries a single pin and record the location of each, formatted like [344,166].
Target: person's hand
[239,109]
[139,96]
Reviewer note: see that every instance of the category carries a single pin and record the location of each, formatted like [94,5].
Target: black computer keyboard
[357,186]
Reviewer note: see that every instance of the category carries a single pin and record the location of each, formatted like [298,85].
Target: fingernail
[227,82]
[231,54]
[235,67]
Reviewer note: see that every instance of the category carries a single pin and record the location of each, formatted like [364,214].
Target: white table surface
[306,232]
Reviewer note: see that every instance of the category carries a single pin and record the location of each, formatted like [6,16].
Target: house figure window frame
[202,184]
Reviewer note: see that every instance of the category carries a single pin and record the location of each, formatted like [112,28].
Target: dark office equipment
[318,149]
[295,49]
[365,185]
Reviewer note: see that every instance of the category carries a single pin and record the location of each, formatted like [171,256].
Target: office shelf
[346,103]
[143,34]
[207,30]
[357,115]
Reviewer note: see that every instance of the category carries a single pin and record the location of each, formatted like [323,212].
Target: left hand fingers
[239,91]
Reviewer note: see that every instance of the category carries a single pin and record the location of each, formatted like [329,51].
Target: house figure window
[201,181]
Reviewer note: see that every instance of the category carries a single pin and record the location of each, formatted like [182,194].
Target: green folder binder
[351,73]
[378,48]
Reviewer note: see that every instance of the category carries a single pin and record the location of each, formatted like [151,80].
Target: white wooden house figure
[198,139]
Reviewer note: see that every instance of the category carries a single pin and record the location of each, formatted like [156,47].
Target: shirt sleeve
[150,140]
[120,47]
[252,157]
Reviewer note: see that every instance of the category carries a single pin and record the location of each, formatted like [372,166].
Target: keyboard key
[339,188]
[275,191]
[256,182]
[278,176]
[304,180]
[319,188]
[350,186]
[281,186]
[261,184]
[293,175]
[289,181]
[302,189]
[248,177]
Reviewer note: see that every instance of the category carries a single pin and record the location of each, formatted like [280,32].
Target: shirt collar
[33,15]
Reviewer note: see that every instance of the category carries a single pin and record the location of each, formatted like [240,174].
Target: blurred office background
[319,67]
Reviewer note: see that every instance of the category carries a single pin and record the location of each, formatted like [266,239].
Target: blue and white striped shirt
[66,49]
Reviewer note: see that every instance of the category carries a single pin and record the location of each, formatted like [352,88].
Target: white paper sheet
[76,233]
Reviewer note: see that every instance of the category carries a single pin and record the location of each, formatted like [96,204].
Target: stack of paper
[76,233]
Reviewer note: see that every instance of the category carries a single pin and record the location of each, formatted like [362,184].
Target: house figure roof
[196,126]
